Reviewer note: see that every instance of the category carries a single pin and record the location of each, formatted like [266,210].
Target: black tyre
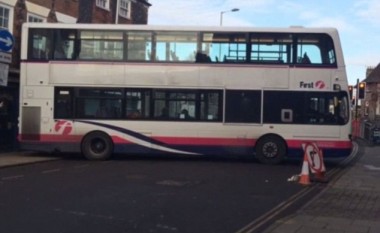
[97,146]
[271,149]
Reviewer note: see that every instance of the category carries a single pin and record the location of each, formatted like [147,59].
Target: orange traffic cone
[304,176]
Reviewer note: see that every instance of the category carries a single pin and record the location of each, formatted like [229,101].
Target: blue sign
[6,40]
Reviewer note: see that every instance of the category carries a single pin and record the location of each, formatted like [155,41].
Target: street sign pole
[357,100]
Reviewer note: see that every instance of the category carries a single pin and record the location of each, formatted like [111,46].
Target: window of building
[35,19]
[125,8]
[105,4]
[4,17]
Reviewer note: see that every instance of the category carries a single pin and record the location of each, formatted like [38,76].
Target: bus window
[243,106]
[137,104]
[315,49]
[170,104]
[139,46]
[99,103]
[225,47]
[39,45]
[63,103]
[101,45]
[211,106]
[307,107]
[271,48]
[176,46]
[64,44]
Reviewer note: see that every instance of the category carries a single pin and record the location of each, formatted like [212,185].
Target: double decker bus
[105,89]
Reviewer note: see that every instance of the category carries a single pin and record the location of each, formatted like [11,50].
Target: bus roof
[291,29]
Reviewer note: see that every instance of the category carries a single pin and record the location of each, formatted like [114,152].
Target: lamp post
[222,12]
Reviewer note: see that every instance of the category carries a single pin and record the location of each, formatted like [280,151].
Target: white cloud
[340,23]
[199,12]
[368,10]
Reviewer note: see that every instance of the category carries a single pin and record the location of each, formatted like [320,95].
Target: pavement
[16,158]
[349,203]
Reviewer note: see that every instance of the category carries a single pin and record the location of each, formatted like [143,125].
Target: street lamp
[222,12]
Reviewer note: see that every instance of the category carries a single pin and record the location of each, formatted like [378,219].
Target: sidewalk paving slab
[350,204]
[16,158]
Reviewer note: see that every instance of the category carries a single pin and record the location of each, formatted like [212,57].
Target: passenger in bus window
[305,59]
[202,58]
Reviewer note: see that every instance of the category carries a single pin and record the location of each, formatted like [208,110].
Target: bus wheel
[97,146]
[271,149]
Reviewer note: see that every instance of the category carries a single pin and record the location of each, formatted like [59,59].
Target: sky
[358,21]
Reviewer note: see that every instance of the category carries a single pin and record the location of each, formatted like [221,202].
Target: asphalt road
[141,195]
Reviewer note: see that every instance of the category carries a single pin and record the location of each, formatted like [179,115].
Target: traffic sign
[5,57]
[6,40]
[313,156]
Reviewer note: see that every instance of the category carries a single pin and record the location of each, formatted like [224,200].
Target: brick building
[13,13]
[371,102]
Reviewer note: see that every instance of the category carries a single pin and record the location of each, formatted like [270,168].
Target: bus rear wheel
[271,149]
[97,146]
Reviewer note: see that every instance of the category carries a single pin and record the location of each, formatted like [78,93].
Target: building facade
[371,108]
[13,13]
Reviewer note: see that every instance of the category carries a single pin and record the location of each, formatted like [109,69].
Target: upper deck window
[271,48]
[315,49]
[64,44]
[40,41]
[176,46]
[290,49]
[225,47]
[101,45]
[139,46]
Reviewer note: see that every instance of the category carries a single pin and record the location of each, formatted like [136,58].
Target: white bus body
[244,103]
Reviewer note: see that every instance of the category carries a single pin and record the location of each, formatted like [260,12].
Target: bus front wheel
[97,146]
[271,149]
